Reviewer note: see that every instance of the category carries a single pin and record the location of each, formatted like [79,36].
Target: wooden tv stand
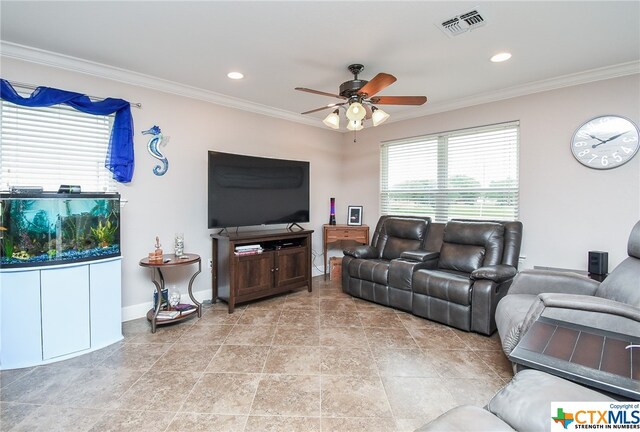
[283,265]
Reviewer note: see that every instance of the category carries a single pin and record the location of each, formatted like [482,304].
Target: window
[471,174]
[52,146]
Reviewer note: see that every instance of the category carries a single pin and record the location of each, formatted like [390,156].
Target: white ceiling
[282,45]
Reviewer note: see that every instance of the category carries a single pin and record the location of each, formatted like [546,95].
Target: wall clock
[605,142]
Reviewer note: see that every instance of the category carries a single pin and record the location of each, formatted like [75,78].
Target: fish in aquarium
[50,228]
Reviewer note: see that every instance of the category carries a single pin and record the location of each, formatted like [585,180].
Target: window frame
[434,198]
[69,129]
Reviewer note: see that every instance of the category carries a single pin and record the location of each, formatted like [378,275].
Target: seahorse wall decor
[157,140]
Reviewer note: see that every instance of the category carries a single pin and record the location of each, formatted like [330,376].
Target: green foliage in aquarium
[104,234]
[7,243]
[76,231]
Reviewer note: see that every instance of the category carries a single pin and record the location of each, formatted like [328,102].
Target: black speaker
[598,262]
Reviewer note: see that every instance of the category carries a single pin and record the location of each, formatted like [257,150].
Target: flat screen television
[249,190]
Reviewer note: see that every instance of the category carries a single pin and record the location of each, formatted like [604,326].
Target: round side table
[169,261]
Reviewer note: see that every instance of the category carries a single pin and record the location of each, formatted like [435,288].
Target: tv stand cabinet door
[292,267]
[254,275]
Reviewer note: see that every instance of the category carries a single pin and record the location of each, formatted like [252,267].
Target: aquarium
[58,228]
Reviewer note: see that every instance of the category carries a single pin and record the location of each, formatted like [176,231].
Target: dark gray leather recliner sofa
[474,269]
[454,273]
[376,272]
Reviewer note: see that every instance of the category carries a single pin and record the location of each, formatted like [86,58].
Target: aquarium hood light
[69,189]
[26,189]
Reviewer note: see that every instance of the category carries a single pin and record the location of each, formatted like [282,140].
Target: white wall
[176,202]
[566,208]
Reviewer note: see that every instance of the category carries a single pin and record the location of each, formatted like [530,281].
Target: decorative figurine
[155,141]
[155,257]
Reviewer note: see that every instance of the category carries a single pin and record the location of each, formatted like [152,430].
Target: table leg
[324,255]
[214,270]
[193,299]
[159,287]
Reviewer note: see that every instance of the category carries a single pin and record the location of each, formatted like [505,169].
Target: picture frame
[354,215]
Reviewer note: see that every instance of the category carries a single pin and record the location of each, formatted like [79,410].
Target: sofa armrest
[590,304]
[401,272]
[362,252]
[497,273]
[420,255]
[591,311]
[547,281]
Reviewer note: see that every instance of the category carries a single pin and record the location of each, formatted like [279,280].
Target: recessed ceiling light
[500,57]
[235,75]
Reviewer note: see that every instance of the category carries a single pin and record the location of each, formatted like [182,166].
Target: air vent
[462,23]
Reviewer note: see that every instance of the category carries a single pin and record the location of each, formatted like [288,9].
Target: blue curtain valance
[119,158]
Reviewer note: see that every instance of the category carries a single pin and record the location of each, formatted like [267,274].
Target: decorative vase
[174,299]
[179,245]
[332,213]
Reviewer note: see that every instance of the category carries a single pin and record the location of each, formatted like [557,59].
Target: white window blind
[471,174]
[52,146]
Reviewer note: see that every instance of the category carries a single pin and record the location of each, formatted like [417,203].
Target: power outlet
[210,263]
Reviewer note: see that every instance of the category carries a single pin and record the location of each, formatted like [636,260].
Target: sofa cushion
[401,234]
[443,285]
[470,245]
[524,403]
[462,258]
[622,284]
[466,418]
[373,270]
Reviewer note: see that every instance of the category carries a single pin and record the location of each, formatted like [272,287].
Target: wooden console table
[169,261]
[280,263]
[590,356]
[336,233]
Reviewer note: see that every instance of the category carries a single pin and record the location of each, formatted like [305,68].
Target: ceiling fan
[360,99]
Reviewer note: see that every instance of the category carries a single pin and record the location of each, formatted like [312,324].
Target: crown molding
[74,64]
[599,74]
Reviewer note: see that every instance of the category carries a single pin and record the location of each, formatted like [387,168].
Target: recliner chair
[612,305]
[376,272]
[474,269]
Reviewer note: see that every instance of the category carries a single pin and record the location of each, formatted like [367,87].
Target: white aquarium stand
[52,313]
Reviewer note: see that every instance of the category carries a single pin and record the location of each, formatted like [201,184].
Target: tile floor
[320,361]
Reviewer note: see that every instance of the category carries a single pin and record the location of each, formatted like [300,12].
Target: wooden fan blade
[318,92]
[379,82]
[369,111]
[323,108]
[398,100]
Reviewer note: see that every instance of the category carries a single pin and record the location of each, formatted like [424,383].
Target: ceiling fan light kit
[333,119]
[356,111]
[358,96]
[355,125]
[378,116]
